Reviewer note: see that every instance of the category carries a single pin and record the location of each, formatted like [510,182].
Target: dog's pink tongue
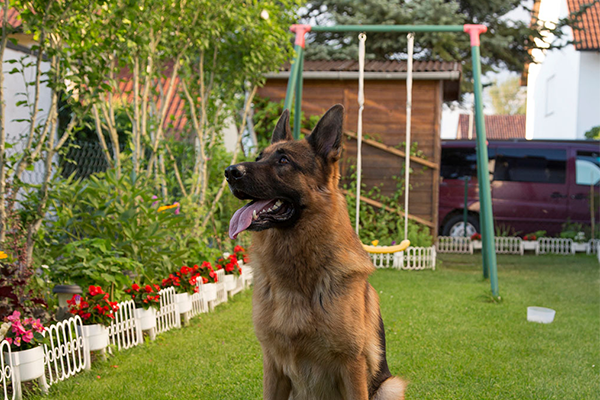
[242,218]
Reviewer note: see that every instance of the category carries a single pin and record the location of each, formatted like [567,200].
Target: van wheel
[454,226]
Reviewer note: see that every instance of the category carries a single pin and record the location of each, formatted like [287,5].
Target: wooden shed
[384,120]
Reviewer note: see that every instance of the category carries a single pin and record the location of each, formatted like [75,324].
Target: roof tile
[497,127]
[587,32]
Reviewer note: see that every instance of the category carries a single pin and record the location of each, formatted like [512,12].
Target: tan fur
[392,389]
[314,313]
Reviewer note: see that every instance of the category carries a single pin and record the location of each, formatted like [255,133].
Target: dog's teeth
[269,210]
[254,216]
[279,202]
[275,207]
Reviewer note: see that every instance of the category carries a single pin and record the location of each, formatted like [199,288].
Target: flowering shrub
[183,280]
[207,273]
[229,264]
[144,297]
[240,253]
[476,236]
[531,237]
[95,308]
[22,334]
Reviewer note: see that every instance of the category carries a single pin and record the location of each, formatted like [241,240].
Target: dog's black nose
[235,172]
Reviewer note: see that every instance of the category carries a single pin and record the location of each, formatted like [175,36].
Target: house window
[587,167]
[550,95]
[531,165]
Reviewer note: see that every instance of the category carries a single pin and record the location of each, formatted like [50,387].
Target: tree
[507,43]
[508,97]
[593,133]
[213,51]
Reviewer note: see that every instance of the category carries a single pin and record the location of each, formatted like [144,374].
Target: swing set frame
[486,219]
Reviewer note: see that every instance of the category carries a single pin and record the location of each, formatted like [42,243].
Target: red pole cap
[474,31]
[300,30]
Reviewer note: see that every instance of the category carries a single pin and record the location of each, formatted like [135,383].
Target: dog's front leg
[354,379]
[276,386]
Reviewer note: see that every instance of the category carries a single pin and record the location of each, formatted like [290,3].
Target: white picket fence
[418,258]
[509,245]
[413,258]
[6,372]
[65,354]
[506,245]
[124,332]
[555,246]
[457,245]
[167,316]
[593,246]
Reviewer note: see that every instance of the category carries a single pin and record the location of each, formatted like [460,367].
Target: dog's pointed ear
[282,130]
[326,138]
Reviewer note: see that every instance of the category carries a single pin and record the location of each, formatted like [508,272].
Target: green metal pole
[298,103]
[485,198]
[389,28]
[289,95]
[482,221]
[465,206]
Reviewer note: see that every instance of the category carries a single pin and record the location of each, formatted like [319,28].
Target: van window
[531,165]
[587,168]
[458,162]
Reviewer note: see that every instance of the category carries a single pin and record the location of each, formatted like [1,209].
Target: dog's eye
[284,160]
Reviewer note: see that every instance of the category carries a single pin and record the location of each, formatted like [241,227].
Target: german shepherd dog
[315,315]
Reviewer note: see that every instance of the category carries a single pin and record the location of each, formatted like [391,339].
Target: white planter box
[184,303]
[96,336]
[209,290]
[229,282]
[476,244]
[28,364]
[147,318]
[580,247]
[529,245]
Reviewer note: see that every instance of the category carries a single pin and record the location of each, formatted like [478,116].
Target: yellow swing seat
[387,249]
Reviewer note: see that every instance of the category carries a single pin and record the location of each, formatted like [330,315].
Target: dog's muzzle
[234,172]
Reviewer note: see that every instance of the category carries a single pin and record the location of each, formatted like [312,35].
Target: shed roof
[447,71]
[587,32]
[379,66]
[497,127]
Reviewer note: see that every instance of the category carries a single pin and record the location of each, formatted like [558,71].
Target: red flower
[204,280]
[238,249]
[135,287]
[185,270]
[229,267]
[206,264]
[94,290]
[148,288]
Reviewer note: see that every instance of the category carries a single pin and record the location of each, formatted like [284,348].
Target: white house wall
[16,132]
[588,113]
[552,85]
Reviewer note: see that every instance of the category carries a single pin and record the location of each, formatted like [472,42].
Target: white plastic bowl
[540,314]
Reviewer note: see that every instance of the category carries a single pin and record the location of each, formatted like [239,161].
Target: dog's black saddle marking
[384,372]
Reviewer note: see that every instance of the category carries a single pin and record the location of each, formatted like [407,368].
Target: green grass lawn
[444,334]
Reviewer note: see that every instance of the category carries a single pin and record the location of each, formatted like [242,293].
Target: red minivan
[536,185]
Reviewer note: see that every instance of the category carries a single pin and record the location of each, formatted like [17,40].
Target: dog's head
[286,175]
